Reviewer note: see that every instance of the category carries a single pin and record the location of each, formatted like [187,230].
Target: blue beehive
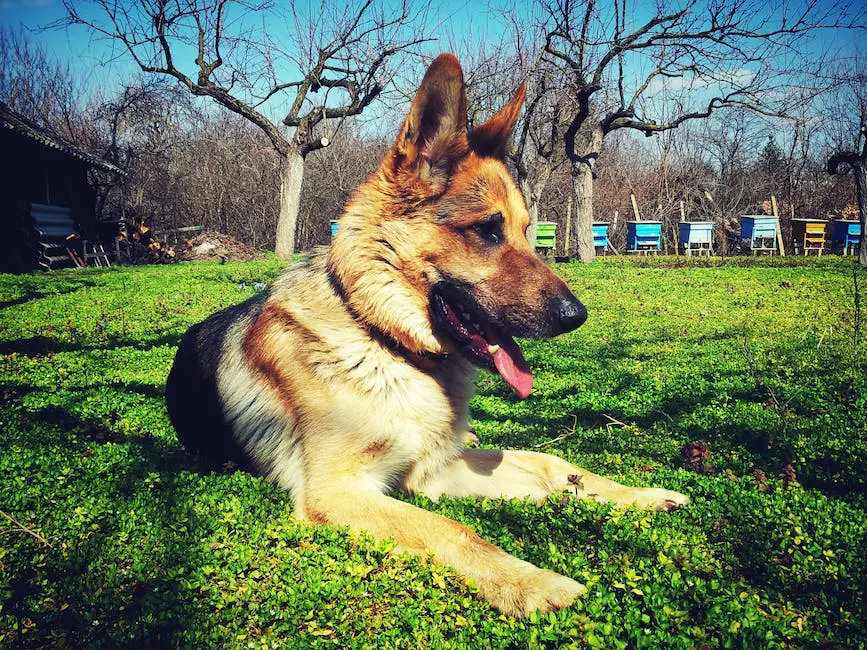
[759,233]
[333,223]
[695,236]
[600,235]
[846,235]
[643,236]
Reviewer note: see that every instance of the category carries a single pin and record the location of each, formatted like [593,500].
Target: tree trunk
[582,153]
[291,178]
[532,191]
[532,208]
[860,172]
[582,230]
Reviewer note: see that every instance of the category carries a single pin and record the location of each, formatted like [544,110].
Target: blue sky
[103,60]
[84,51]
[73,45]
[105,65]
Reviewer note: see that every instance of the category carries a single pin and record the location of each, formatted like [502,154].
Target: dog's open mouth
[479,339]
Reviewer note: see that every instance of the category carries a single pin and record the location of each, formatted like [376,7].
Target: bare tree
[536,150]
[725,144]
[331,62]
[843,161]
[493,69]
[698,56]
[37,86]
[847,119]
[331,178]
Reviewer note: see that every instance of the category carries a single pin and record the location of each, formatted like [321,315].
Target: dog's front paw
[659,499]
[534,590]
[548,591]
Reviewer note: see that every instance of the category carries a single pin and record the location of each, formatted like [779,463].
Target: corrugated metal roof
[17,123]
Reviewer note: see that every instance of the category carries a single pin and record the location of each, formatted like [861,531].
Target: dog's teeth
[493,349]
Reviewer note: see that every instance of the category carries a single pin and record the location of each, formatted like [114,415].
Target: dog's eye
[490,229]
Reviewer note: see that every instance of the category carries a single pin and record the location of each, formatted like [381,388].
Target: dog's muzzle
[569,314]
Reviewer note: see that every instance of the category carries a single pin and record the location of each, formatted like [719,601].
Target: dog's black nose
[571,314]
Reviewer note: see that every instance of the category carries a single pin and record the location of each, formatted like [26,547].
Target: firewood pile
[139,245]
[211,246]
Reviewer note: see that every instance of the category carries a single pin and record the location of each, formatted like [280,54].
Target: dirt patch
[210,246]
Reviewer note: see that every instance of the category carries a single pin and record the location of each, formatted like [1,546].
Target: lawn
[111,535]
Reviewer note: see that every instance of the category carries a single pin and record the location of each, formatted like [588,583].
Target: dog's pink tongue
[511,365]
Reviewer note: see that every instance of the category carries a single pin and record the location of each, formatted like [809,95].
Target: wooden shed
[47,205]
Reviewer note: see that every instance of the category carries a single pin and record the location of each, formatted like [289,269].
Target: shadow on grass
[42,345]
[101,584]
[13,392]
[766,433]
[60,286]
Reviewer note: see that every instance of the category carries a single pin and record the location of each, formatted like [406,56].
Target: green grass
[130,542]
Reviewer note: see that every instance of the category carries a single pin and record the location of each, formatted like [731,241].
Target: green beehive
[546,235]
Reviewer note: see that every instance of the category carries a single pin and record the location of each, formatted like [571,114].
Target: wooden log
[635,207]
[776,213]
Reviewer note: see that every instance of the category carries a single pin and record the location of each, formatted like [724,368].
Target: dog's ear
[433,136]
[492,137]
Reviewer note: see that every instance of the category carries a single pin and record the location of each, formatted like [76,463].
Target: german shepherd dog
[350,376]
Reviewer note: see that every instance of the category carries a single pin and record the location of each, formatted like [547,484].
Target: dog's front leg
[532,475]
[511,585]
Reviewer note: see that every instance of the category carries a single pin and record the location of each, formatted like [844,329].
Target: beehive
[643,236]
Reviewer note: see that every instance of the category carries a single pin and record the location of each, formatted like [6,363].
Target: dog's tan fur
[339,387]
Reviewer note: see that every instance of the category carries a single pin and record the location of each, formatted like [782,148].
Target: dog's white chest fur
[369,411]
[396,419]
